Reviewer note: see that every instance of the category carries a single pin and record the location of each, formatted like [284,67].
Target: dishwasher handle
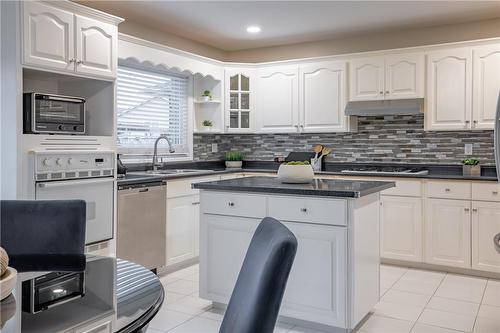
[61,183]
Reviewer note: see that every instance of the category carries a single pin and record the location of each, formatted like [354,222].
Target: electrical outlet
[468,149]
[215,149]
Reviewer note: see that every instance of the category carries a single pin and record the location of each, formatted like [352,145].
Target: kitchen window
[149,103]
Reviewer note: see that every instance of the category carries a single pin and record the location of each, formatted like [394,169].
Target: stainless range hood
[386,107]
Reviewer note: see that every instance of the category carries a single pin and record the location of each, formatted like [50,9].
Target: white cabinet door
[404,76]
[401,228]
[278,99]
[240,91]
[48,36]
[486,85]
[96,47]
[449,90]
[323,97]
[316,290]
[485,225]
[367,79]
[223,246]
[181,229]
[447,232]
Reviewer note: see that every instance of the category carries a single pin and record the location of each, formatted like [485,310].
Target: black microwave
[53,114]
[53,289]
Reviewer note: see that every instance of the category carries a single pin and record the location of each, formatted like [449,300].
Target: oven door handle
[61,183]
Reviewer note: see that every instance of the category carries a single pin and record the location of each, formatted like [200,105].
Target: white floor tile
[151,330]
[171,297]
[282,327]
[454,306]
[419,282]
[464,288]
[166,319]
[398,311]
[184,287]
[214,314]
[198,325]
[166,279]
[406,298]
[299,329]
[489,311]
[448,320]
[378,324]
[486,325]
[193,277]
[190,305]
[492,293]
[422,328]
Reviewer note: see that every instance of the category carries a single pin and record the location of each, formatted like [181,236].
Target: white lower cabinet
[447,232]
[485,225]
[182,227]
[401,226]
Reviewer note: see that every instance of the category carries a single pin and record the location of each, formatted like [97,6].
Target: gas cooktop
[386,170]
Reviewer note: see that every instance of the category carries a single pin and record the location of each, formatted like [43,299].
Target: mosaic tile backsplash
[387,139]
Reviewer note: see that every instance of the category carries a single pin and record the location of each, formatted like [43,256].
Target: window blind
[150,103]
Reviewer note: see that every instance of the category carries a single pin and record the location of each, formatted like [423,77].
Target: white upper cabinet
[367,79]
[323,97]
[239,99]
[278,99]
[96,47]
[449,89]
[486,85]
[404,76]
[48,36]
[395,76]
[58,39]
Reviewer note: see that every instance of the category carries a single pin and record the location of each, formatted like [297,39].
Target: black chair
[43,235]
[257,295]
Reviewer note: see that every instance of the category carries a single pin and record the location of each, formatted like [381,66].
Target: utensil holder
[316,163]
[472,170]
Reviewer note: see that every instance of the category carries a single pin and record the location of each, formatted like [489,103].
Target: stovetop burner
[386,170]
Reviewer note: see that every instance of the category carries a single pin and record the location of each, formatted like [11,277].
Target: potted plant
[207,125]
[234,159]
[471,167]
[206,95]
[296,172]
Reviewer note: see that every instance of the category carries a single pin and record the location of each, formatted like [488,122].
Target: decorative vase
[207,128]
[472,170]
[295,174]
[234,164]
[206,98]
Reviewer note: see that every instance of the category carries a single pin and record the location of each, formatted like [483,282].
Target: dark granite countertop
[318,187]
[207,168]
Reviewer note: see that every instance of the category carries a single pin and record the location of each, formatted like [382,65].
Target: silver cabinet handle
[304,210]
[79,62]
[494,192]
[496,241]
[381,93]
[474,210]
[387,92]
[466,209]
[447,190]
[72,60]
[195,203]
[231,204]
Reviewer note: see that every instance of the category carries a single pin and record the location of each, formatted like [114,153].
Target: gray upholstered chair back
[44,235]
[257,295]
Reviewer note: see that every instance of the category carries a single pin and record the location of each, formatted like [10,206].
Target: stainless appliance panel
[497,139]
[141,225]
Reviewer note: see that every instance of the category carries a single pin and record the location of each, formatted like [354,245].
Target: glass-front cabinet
[239,105]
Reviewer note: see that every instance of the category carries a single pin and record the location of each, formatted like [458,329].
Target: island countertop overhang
[318,187]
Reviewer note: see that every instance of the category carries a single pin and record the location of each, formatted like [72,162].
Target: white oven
[76,175]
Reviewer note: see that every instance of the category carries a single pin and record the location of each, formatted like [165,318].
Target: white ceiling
[222,24]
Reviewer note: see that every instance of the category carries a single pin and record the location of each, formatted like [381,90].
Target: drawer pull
[494,192]
[304,210]
[474,210]
[231,204]
[195,203]
[447,190]
[466,209]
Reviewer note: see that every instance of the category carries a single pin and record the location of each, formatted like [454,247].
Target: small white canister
[295,174]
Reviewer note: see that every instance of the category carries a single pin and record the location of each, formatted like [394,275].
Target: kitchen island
[334,282]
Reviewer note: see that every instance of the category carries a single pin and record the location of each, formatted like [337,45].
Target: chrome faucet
[155,151]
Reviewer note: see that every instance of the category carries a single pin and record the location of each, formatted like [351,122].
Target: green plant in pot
[206,95]
[234,159]
[207,124]
[471,167]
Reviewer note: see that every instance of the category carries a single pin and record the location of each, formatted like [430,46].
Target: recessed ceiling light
[253,29]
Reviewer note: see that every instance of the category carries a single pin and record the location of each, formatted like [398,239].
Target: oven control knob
[70,160]
[59,162]
[47,162]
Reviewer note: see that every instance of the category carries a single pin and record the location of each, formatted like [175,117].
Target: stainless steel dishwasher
[141,226]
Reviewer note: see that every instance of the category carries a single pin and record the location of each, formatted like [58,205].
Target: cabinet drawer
[486,191]
[449,190]
[182,187]
[225,203]
[407,188]
[310,210]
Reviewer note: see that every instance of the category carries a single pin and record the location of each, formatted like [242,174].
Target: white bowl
[295,174]
[7,282]
[234,164]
